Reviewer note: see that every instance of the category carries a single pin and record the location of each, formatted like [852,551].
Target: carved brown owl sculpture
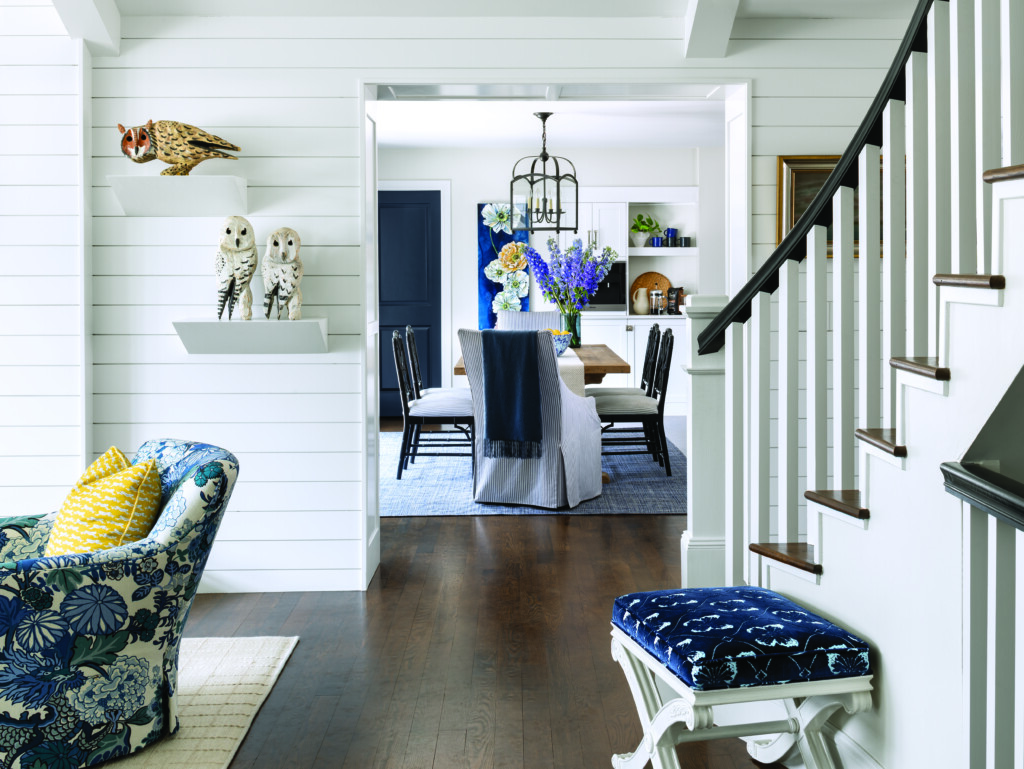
[183,146]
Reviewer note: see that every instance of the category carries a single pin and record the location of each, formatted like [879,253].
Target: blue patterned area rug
[444,486]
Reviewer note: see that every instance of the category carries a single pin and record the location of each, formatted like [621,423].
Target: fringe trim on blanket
[512,449]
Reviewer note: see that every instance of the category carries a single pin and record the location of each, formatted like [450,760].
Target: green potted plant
[643,227]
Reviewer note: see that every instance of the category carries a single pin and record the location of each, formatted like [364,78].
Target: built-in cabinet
[605,217]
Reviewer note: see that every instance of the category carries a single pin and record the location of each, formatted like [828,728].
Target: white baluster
[842,339]
[870,277]
[894,263]
[817,359]
[975,614]
[1011,23]
[963,172]
[938,162]
[918,279]
[987,117]
[757,517]
[788,417]
[735,547]
[1002,603]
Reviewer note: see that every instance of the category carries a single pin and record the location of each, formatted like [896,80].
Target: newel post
[703,543]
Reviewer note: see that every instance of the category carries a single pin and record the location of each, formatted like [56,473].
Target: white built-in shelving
[208,337]
[199,195]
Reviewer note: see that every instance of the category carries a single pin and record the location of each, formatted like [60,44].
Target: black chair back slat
[664,365]
[402,369]
[650,359]
[414,362]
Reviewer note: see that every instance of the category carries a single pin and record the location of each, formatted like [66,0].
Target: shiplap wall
[287,91]
[41,290]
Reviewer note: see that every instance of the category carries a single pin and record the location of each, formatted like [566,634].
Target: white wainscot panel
[35,139]
[37,440]
[282,497]
[262,201]
[41,350]
[56,471]
[38,230]
[34,170]
[204,231]
[59,319]
[266,111]
[49,410]
[33,500]
[30,51]
[240,82]
[255,437]
[288,554]
[29,201]
[48,290]
[253,581]
[198,259]
[39,380]
[269,408]
[160,319]
[267,525]
[298,466]
[43,260]
[146,290]
[177,379]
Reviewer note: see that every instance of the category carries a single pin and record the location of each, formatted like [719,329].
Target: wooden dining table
[598,360]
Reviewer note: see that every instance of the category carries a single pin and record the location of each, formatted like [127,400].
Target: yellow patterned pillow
[113,503]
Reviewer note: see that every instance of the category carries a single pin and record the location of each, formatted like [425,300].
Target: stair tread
[926,367]
[800,555]
[1004,174]
[845,501]
[970,281]
[883,438]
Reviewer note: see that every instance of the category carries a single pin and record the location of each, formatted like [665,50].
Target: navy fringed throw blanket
[511,394]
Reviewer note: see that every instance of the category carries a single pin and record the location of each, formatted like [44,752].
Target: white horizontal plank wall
[287,91]
[41,373]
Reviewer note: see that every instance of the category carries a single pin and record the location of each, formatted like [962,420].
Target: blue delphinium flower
[569,280]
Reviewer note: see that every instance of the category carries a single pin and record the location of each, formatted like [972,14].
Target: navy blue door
[409,224]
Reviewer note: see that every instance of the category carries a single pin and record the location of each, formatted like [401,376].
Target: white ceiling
[573,124]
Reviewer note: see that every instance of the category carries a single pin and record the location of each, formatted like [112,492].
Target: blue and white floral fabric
[733,637]
[89,642]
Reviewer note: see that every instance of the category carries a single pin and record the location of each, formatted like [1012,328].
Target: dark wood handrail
[819,211]
[988,490]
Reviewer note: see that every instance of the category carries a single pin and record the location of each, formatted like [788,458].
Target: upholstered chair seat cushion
[453,402]
[597,391]
[626,405]
[733,637]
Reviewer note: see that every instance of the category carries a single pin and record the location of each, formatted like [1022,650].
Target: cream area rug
[222,682]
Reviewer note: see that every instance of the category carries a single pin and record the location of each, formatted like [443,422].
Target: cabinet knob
[629,328]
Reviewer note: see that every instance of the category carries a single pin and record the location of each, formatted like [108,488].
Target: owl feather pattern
[282,273]
[181,145]
[235,264]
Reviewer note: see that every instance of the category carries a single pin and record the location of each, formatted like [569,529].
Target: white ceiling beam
[97,22]
[709,27]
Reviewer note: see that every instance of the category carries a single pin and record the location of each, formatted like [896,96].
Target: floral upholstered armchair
[89,642]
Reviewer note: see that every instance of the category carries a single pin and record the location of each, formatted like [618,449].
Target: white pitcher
[640,305]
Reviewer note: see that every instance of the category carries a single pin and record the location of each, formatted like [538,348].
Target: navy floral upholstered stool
[686,651]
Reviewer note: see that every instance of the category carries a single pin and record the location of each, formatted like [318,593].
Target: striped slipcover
[569,468]
[526,321]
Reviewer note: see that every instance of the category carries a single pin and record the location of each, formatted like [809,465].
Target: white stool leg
[648,704]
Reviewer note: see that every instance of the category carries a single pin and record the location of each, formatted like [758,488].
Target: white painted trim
[84,195]
[770,564]
[443,186]
[708,27]
[97,22]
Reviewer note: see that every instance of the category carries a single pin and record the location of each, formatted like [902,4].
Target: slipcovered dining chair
[89,649]
[527,321]
[439,406]
[646,411]
[568,469]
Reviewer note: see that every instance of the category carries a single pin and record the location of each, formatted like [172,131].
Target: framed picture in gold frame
[798,179]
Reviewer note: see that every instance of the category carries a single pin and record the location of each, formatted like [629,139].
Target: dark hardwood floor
[481,642]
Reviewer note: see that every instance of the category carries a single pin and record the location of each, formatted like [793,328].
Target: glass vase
[570,321]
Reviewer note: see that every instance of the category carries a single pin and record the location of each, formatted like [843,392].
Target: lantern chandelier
[543,197]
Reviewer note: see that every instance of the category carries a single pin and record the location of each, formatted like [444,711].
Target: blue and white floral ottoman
[686,651]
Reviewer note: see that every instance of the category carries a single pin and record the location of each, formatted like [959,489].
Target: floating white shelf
[663,251]
[206,337]
[200,195]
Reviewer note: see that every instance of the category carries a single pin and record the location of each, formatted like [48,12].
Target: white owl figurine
[235,264]
[282,273]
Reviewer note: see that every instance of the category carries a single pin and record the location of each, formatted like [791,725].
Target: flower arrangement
[509,269]
[569,280]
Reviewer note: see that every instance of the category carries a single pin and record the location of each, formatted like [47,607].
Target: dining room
[662,158]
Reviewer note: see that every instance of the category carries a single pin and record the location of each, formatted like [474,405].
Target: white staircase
[848,379]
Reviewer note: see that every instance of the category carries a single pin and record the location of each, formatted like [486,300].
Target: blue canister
[671,232]
[655,242]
